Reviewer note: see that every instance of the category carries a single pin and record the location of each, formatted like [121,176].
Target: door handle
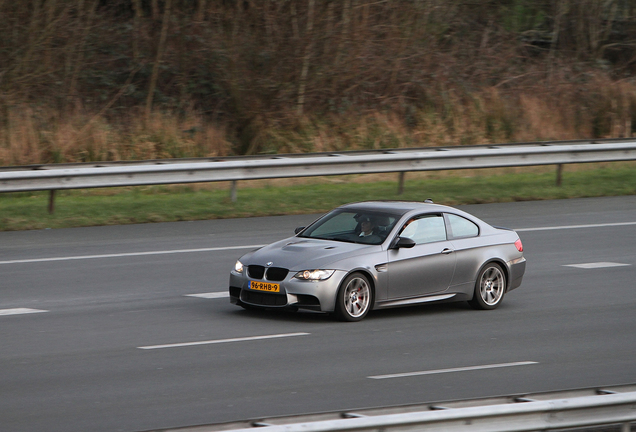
[447,251]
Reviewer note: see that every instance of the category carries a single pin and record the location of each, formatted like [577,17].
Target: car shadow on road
[420,310]
[303,316]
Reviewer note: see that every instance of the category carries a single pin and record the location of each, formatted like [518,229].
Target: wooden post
[559,174]
[52,201]
[401,183]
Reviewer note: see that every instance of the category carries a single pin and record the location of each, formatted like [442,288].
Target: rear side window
[461,227]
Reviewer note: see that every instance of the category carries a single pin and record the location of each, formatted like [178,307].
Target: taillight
[519,245]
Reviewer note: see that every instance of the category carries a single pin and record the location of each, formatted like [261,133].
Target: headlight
[238,267]
[314,274]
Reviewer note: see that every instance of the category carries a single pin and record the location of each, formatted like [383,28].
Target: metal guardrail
[234,169]
[573,409]
[53,177]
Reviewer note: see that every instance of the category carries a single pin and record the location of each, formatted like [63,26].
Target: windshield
[353,227]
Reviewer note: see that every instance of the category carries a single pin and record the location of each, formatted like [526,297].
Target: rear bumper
[517,269]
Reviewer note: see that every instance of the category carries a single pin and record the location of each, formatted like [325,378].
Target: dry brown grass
[42,137]
[604,109]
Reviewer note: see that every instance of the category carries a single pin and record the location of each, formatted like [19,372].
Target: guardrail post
[51,201]
[626,427]
[233,191]
[401,183]
[559,174]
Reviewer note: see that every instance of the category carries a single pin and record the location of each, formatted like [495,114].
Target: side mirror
[402,242]
[299,229]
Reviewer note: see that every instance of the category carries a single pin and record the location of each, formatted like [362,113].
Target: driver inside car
[367,231]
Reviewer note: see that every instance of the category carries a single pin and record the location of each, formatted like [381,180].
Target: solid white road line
[596,265]
[119,255]
[20,311]
[168,252]
[576,226]
[218,341]
[461,369]
[211,295]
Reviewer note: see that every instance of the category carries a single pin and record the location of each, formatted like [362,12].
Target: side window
[426,229]
[461,227]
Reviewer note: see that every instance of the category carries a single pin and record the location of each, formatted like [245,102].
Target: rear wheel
[355,298]
[489,288]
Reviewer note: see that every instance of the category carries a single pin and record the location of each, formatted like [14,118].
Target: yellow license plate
[264,286]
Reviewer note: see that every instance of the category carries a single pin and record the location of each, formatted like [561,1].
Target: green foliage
[519,16]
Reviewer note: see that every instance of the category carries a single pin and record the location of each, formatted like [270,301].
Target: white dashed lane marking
[219,341]
[460,369]
[575,226]
[596,265]
[131,254]
[20,311]
[211,295]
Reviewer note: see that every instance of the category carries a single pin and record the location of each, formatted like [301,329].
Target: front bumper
[312,295]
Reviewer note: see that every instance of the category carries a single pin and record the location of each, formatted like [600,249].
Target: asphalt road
[106,301]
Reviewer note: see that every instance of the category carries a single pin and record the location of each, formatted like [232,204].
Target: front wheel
[489,288]
[355,298]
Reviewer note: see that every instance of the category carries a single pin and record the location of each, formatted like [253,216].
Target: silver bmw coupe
[373,255]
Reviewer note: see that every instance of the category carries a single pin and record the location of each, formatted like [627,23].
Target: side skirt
[412,301]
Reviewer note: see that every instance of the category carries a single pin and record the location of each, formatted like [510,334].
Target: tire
[355,298]
[490,287]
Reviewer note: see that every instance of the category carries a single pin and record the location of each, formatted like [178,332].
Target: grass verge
[26,211]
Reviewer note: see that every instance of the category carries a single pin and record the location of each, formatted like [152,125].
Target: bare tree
[309,35]
[160,50]
[79,58]
[136,28]
[200,14]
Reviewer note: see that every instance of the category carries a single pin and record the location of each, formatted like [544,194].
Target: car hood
[297,253]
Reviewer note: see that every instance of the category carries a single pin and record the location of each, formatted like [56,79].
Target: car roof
[398,207]
[402,208]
